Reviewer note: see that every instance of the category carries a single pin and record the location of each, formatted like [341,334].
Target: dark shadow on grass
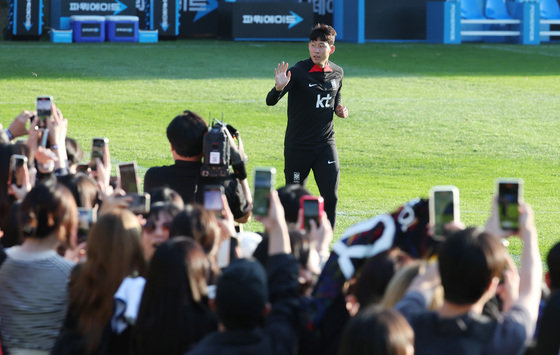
[208,59]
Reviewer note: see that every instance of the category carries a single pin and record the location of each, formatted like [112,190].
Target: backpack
[469,334]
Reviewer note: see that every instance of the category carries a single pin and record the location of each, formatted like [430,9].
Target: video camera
[219,153]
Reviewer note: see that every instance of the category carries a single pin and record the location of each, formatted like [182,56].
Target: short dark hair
[167,195]
[242,294]
[186,133]
[553,263]
[468,260]
[289,196]
[322,32]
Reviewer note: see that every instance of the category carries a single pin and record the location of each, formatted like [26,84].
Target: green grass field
[420,115]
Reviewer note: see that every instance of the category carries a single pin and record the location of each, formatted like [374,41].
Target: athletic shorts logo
[296,177]
[312,85]
[331,161]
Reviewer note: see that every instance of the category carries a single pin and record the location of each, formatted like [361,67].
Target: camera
[216,151]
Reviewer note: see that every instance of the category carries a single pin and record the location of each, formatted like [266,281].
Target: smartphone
[86,218]
[509,195]
[44,137]
[213,199]
[44,109]
[127,177]
[17,161]
[443,207]
[140,203]
[264,183]
[97,150]
[312,207]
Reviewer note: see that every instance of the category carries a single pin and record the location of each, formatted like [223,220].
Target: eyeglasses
[150,227]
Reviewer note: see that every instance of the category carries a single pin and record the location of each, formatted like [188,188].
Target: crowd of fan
[181,279]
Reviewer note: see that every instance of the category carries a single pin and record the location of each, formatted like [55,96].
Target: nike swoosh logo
[312,85]
[331,162]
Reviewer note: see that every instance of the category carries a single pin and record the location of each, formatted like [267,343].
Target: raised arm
[282,78]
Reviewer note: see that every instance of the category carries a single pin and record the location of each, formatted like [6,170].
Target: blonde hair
[401,281]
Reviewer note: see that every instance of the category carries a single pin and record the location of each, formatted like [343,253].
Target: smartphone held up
[98,151]
[213,199]
[17,161]
[312,207]
[510,192]
[44,109]
[264,183]
[443,207]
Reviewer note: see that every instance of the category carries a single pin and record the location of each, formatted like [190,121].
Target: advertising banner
[272,21]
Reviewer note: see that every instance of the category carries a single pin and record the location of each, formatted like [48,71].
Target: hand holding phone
[17,161]
[86,218]
[264,183]
[510,192]
[140,203]
[213,199]
[312,207]
[443,207]
[98,151]
[44,109]
[127,177]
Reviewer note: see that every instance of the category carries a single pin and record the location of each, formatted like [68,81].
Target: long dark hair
[173,314]
[114,252]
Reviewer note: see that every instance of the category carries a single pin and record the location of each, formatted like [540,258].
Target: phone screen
[86,217]
[97,151]
[140,203]
[97,148]
[508,205]
[127,174]
[213,200]
[263,185]
[16,169]
[44,107]
[444,210]
[310,211]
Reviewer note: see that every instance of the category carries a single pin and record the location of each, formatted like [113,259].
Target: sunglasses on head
[150,227]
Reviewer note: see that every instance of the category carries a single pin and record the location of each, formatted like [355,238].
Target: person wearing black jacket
[314,94]
[185,134]
[258,313]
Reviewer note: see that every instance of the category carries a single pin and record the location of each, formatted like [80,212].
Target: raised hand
[282,76]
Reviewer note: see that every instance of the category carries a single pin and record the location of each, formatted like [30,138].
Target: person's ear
[332,49]
[547,278]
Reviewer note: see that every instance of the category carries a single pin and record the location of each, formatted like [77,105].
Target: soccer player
[313,86]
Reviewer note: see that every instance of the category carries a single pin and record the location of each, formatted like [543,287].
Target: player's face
[319,51]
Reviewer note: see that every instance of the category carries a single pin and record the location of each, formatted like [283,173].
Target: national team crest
[333,83]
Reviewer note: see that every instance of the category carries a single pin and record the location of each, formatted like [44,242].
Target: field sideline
[420,115]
